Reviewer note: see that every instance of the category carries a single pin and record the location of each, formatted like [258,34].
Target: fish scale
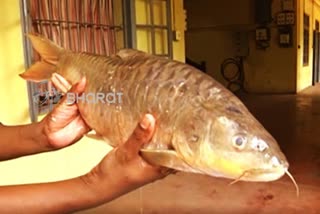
[201,126]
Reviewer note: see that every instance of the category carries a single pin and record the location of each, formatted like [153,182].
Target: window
[306,26]
[152,26]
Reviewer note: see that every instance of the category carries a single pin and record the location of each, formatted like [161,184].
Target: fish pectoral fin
[167,158]
[39,71]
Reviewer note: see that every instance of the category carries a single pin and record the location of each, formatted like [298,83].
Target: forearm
[61,197]
[16,141]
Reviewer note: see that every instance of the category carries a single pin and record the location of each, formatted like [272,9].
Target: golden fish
[201,126]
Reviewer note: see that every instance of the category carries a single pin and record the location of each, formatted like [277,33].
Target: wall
[304,73]
[211,26]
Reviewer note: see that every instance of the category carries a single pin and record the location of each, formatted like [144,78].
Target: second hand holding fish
[123,168]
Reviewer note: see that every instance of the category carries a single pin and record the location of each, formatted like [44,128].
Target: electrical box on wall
[177,35]
[285,37]
[286,18]
[262,34]
[263,37]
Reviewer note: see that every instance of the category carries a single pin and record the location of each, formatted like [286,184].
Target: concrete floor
[294,121]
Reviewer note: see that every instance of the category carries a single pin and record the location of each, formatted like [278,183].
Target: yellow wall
[14,106]
[304,73]
[70,162]
[211,26]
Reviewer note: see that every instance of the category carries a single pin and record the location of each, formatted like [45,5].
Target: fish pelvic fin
[166,158]
[49,52]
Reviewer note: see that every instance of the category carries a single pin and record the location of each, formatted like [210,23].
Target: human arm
[60,128]
[121,171]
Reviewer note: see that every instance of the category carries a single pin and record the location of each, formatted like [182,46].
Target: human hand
[64,125]
[123,169]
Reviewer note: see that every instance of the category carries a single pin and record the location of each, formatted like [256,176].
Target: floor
[294,121]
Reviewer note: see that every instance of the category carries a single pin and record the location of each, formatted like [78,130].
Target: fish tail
[49,53]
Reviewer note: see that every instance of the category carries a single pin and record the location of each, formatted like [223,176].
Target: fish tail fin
[39,71]
[49,52]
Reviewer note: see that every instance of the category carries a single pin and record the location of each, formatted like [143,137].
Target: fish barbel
[201,126]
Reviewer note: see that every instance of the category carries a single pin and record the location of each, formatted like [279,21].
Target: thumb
[75,90]
[66,111]
[141,135]
[80,86]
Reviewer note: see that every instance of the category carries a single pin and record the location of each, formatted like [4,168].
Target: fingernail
[53,76]
[145,123]
[53,119]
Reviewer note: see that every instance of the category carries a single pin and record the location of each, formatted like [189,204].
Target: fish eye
[239,141]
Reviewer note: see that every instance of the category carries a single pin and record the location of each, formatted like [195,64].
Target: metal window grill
[78,25]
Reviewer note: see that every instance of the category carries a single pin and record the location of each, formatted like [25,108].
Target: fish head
[229,143]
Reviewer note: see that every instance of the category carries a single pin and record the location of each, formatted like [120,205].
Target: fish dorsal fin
[126,53]
[48,50]
[38,72]
[167,158]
